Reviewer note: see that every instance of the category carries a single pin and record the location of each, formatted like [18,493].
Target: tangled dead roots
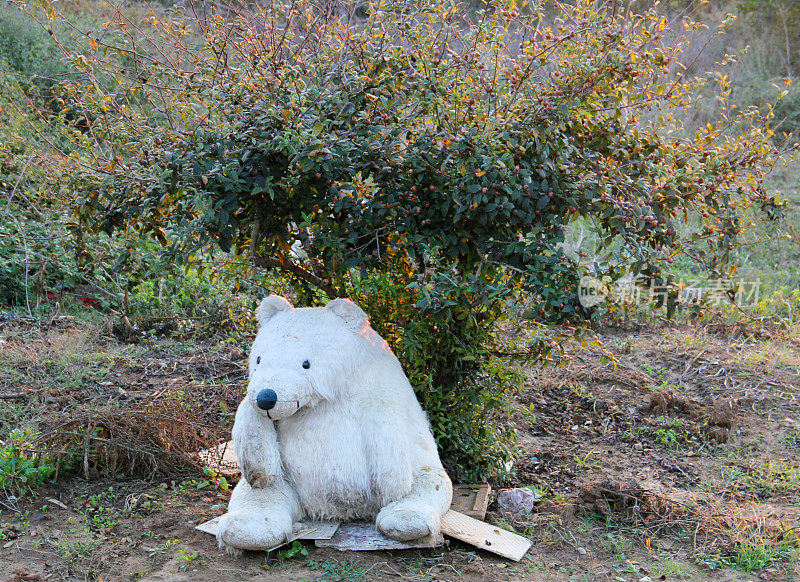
[158,439]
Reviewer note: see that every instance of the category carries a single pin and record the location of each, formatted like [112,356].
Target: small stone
[638,446]
[517,501]
[645,579]
[582,551]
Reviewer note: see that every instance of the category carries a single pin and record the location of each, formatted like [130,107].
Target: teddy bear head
[304,356]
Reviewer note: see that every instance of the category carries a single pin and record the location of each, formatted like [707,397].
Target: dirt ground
[679,463]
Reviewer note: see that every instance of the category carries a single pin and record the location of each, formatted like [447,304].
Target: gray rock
[517,502]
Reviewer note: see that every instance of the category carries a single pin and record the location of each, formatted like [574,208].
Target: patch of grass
[13,413]
[214,479]
[667,438]
[585,462]
[12,529]
[73,550]
[675,439]
[750,554]
[618,546]
[772,479]
[580,392]
[276,560]
[712,560]
[667,567]
[339,570]
[792,438]
[655,371]
[673,433]
[163,548]
[100,513]
[64,360]
[756,553]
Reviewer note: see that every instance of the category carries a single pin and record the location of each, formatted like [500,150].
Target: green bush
[31,53]
[783,304]
[787,112]
[447,351]
[21,467]
[33,264]
[186,293]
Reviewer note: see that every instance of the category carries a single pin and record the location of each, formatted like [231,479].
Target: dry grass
[59,342]
[161,439]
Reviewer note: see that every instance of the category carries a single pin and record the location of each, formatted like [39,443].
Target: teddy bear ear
[351,313]
[270,306]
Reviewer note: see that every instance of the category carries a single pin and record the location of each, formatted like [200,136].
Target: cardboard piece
[209,527]
[471,500]
[484,536]
[361,536]
[221,459]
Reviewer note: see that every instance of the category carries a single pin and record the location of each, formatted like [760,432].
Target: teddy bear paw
[248,530]
[404,521]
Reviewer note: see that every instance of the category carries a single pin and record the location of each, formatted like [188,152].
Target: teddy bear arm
[255,443]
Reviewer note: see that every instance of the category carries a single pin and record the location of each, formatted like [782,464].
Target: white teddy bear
[330,429]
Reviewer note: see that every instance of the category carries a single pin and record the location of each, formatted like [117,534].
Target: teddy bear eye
[258,360]
[306,365]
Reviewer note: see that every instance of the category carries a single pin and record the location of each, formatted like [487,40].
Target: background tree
[422,160]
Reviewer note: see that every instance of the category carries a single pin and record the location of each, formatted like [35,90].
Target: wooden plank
[471,499]
[362,536]
[321,530]
[485,536]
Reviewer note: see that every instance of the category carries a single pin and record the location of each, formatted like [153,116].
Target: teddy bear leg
[258,518]
[419,513]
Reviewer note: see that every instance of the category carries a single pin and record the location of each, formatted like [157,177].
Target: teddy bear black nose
[266,399]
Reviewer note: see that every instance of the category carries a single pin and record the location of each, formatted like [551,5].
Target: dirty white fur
[346,440]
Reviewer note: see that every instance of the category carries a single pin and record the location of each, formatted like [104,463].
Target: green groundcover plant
[423,159]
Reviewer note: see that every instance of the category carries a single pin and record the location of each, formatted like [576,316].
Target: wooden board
[221,459]
[471,500]
[361,536]
[484,536]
